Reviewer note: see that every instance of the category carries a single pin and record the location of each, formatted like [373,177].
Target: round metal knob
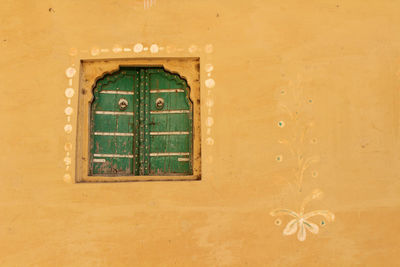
[123,104]
[159,103]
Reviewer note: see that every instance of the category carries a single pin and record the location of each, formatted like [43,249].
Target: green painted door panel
[111,126]
[110,102]
[175,100]
[169,143]
[169,165]
[172,122]
[141,137]
[112,123]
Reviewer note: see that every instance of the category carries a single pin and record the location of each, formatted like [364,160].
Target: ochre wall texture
[300,135]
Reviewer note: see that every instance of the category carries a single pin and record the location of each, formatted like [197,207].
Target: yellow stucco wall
[335,63]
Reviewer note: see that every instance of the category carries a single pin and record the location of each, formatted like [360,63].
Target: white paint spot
[208,48]
[69,92]
[138,48]
[145,48]
[69,101]
[95,51]
[210,121]
[161,48]
[68,146]
[283,141]
[127,49]
[67,161]
[210,102]
[148,3]
[210,141]
[209,74]
[208,131]
[68,128]
[154,48]
[99,160]
[281,124]
[210,83]
[105,50]
[67,178]
[68,111]
[192,48]
[209,67]
[117,49]
[68,118]
[70,72]
[70,82]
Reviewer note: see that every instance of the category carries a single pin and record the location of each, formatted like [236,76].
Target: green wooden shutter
[152,135]
[170,125]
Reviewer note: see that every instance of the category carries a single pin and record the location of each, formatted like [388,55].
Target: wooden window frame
[92,70]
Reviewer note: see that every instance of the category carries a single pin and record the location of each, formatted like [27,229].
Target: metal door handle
[159,103]
[123,104]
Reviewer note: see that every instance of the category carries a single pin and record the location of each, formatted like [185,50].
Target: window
[139,121]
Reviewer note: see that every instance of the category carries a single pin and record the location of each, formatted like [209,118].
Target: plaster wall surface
[279,67]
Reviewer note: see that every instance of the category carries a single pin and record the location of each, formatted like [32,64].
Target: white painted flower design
[301,221]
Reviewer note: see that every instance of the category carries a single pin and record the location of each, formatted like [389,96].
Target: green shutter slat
[109,102]
[173,101]
[172,122]
[170,143]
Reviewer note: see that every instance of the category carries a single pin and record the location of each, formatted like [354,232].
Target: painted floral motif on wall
[302,220]
[293,110]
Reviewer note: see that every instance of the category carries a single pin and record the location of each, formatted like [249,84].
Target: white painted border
[128,51]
